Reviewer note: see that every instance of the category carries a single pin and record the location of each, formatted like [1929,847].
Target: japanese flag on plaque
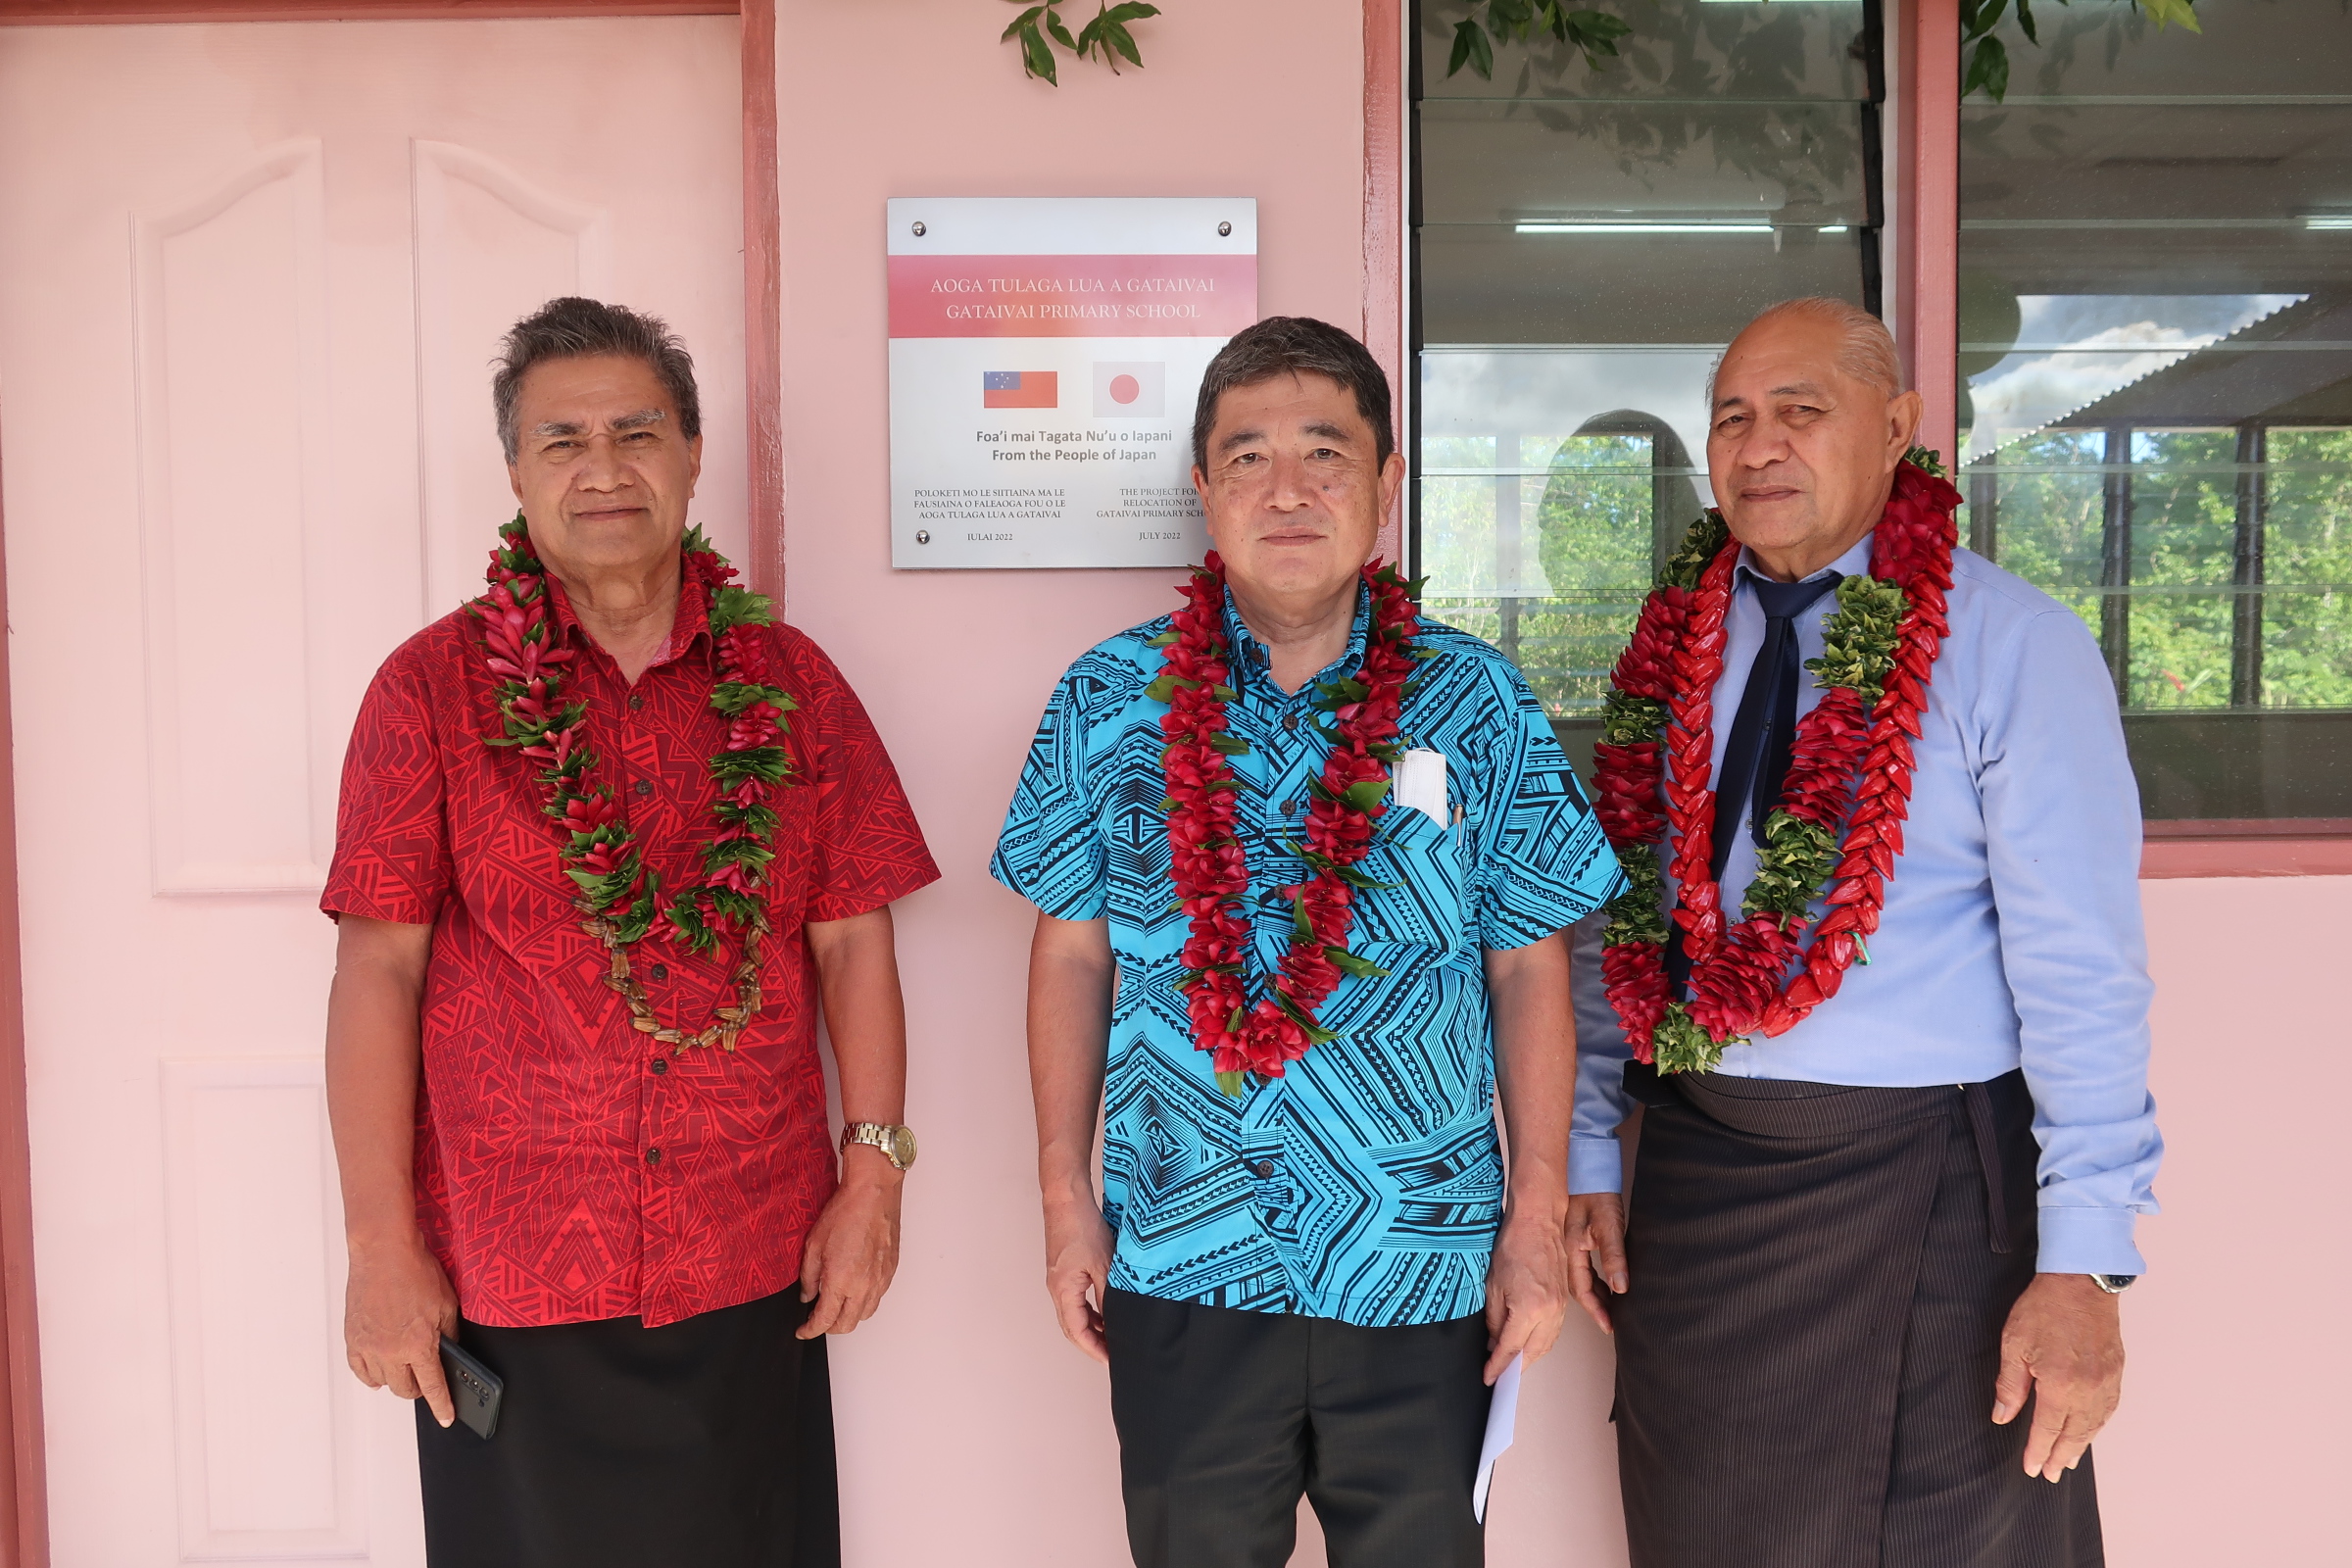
[1045,356]
[1131,390]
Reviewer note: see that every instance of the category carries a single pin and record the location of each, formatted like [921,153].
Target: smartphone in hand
[473,1389]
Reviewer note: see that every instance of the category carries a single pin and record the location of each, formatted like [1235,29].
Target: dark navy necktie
[1755,760]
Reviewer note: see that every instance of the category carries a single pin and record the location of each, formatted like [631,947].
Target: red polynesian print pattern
[1211,870]
[537,1183]
[1658,739]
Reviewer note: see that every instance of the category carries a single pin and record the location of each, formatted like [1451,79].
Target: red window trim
[1927,210]
[2245,849]
[1386,284]
[23,1470]
[54,13]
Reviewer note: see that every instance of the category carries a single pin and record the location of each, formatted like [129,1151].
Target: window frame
[1927,171]
[1920,263]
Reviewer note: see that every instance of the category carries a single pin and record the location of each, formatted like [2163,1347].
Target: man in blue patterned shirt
[1307,1288]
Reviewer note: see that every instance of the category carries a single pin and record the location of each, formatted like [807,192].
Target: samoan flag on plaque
[1018,389]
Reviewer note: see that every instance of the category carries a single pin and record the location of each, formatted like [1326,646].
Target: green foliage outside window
[2307,652]
[2184,510]
[1587,534]
[1585,522]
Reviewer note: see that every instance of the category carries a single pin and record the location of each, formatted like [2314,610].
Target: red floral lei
[1658,739]
[618,896]
[1210,868]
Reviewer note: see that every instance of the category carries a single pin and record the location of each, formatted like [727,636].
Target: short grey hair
[1865,349]
[574,328]
[1296,345]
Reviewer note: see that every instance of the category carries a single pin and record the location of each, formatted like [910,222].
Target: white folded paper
[1418,781]
[1502,1419]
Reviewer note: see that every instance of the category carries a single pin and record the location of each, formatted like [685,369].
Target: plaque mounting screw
[1223,230]
[922,536]
[920,230]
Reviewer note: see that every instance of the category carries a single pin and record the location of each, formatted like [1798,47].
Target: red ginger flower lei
[1210,868]
[619,895]
[1882,645]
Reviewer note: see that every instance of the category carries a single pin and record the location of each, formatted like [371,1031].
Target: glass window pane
[1586,242]
[1761,49]
[2307,603]
[2156,359]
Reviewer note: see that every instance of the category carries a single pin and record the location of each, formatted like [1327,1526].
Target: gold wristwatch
[896,1143]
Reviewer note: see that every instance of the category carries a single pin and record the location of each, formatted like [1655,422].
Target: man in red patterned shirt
[547,1154]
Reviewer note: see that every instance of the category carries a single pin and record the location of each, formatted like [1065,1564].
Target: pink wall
[964,1381]
[970,1434]
[2232,1440]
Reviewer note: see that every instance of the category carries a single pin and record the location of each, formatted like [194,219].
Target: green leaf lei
[1800,856]
[619,895]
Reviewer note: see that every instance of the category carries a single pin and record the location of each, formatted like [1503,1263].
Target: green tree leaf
[1595,33]
[1040,58]
[1599,24]
[1988,58]
[1981,18]
[1471,48]
[1988,68]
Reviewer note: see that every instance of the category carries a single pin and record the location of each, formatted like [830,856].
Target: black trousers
[702,1443]
[1806,1357]
[1226,1418]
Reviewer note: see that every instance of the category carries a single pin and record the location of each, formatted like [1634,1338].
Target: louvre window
[1587,241]
[2156,402]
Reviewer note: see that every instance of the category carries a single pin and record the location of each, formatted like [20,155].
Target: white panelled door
[251,276]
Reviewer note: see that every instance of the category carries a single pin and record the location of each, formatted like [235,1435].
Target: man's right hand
[396,1307]
[1078,1273]
[1596,1251]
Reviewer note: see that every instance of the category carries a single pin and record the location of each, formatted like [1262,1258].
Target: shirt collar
[690,624]
[1252,657]
[1854,563]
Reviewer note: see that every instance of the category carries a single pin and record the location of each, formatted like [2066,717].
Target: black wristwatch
[2113,1283]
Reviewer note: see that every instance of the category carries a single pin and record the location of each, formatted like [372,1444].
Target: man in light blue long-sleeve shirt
[1861,1249]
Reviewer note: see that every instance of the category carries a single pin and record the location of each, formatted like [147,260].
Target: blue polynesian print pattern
[1365,1184]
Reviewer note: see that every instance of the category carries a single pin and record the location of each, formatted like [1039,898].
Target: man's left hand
[852,1250]
[1527,1289]
[2064,1344]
